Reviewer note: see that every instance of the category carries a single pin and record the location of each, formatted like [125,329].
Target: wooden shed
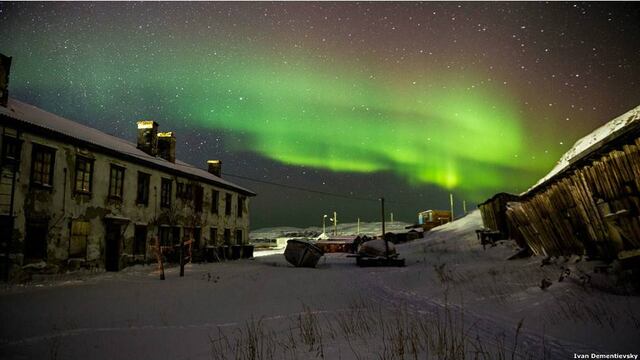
[590,202]
[432,218]
[494,217]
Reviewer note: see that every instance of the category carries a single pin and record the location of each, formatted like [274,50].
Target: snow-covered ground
[343,229]
[453,300]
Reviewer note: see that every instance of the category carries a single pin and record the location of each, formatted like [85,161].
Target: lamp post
[335,223]
[324,218]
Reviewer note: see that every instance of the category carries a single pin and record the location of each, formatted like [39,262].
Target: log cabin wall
[592,209]
[494,217]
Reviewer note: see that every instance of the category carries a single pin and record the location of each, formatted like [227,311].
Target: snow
[592,142]
[344,229]
[335,311]
[34,116]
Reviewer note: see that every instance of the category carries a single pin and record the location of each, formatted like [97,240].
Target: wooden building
[494,217]
[590,202]
[71,195]
[431,218]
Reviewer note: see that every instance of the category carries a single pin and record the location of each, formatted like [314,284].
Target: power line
[298,188]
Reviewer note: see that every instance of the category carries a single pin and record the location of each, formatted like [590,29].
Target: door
[112,247]
[36,241]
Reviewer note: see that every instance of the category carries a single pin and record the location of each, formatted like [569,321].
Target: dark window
[11,149]
[215,201]
[197,198]
[175,235]
[143,188]
[240,206]
[42,163]
[140,240]
[35,241]
[239,237]
[84,174]
[227,237]
[184,191]
[165,193]
[116,182]
[197,233]
[165,236]
[227,204]
[213,236]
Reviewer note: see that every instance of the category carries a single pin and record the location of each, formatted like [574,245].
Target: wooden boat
[302,254]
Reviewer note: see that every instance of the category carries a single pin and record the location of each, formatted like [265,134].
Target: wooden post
[181,257]
[464,206]
[451,202]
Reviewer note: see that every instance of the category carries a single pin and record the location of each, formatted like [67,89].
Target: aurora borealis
[406,100]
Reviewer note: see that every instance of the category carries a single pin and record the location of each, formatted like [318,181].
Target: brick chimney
[167,146]
[5,66]
[215,167]
[148,136]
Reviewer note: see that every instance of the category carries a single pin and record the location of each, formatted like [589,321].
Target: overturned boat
[302,253]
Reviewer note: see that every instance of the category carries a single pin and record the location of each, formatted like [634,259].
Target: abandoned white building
[70,193]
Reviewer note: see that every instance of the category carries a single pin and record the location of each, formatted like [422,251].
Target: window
[227,237]
[79,235]
[215,201]
[184,191]
[84,174]
[240,206]
[169,235]
[142,196]
[140,240]
[197,233]
[116,182]
[11,149]
[239,237]
[197,198]
[227,204]
[42,163]
[165,193]
[213,236]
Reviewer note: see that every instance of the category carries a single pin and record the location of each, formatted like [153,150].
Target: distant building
[432,218]
[70,194]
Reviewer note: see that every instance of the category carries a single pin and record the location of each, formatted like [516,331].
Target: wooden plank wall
[592,210]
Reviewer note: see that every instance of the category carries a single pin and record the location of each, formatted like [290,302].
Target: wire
[345,196]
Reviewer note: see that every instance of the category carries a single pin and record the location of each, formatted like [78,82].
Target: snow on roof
[34,116]
[591,143]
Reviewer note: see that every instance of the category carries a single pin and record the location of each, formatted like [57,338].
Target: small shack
[590,201]
[431,218]
[494,217]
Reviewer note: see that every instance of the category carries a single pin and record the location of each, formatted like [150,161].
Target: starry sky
[410,101]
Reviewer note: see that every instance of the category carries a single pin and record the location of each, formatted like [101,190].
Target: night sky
[411,101]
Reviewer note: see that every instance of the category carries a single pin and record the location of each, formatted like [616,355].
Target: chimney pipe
[167,146]
[148,136]
[5,66]
[215,167]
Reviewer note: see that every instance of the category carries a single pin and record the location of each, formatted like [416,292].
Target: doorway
[112,246]
[35,248]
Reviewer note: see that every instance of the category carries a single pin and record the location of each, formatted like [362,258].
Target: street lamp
[324,218]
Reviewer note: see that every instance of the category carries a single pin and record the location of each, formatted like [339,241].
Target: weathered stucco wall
[60,204]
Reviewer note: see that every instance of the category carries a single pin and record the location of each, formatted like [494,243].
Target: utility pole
[464,206]
[324,218]
[451,202]
[386,245]
[392,217]
[358,226]
[335,223]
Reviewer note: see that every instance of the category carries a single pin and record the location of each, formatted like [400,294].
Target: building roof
[592,144]
[43,120]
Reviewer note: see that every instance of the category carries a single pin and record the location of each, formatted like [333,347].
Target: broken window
[240,206]
[142,196]
[80,231]
[165,193]
[227,236]
[84,174]
[239,237]
[197,198]
[213,236]
[42,163]
[116,182]
[140,240]
[11,147]
[215,201]
[227,204]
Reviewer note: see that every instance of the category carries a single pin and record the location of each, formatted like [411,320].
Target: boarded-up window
[80,231]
